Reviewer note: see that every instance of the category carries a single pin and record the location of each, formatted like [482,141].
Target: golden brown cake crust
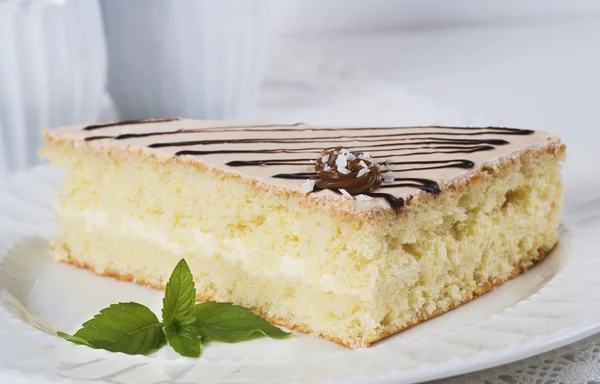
[480,290]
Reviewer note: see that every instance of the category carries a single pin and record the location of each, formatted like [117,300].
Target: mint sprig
[178,312]
[132,328]
[180,296]
[231,323]
[185,340]
[74,339]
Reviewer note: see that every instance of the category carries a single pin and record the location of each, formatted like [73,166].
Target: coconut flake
[363,164]
[345,193]
[327,168]
[343,170]
[350,156]
[341,161]
[362,197]
[365,156]
[389,178]
[308,186]
[325,158]
[363,171]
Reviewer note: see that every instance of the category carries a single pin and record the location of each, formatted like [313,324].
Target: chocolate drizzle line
[126,122]
[451,163]
[458,149]
[339,139]
[268,128]
[387,145]
[164,133]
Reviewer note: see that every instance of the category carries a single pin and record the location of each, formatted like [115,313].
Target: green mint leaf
[125,327]
[185,340]
[231,323]
[180,297]
[178,312]
[73,339]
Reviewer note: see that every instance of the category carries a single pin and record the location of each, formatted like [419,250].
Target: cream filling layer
[230,250]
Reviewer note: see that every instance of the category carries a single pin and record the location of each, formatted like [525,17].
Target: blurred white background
[293,17]
[527,64]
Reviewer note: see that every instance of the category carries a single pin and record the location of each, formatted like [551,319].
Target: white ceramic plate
[556,302]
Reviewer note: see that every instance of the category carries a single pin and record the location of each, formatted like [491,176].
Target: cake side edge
[481,290]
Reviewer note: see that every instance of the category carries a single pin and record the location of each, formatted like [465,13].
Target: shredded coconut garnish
[345,193]
[308,186]
[355,172]
[362,197]
[341,161]
[388,178]
[343,170]
[363,171]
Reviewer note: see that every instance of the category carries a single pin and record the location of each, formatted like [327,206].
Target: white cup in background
[52,72]
[196,59]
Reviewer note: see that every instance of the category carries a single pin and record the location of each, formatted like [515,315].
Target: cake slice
[351,234]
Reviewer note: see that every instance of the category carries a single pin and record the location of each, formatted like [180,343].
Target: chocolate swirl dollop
[355,172]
